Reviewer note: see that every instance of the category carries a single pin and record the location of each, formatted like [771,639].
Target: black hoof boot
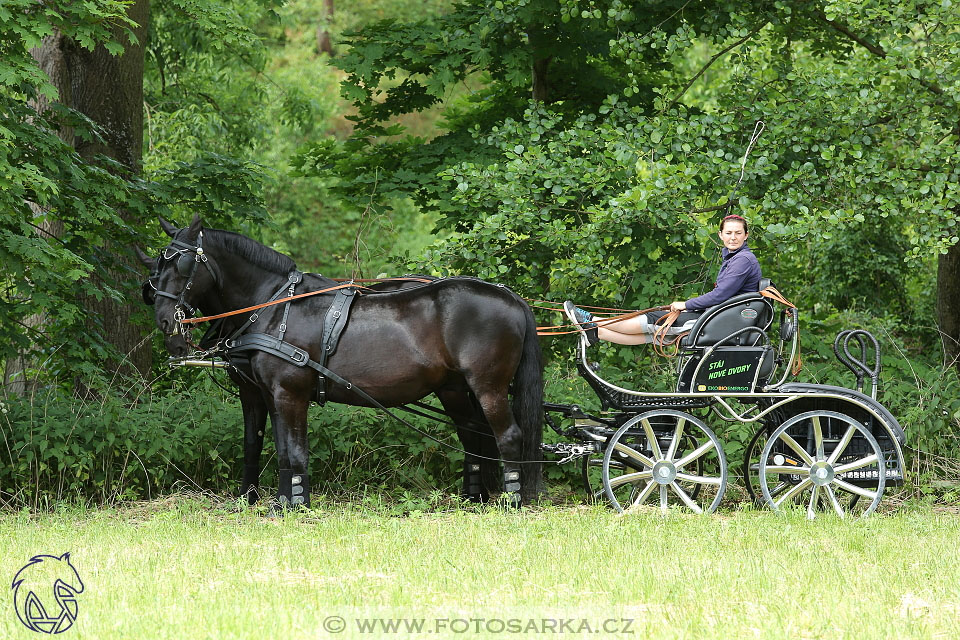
[472,482]
[511,488]
[294,489]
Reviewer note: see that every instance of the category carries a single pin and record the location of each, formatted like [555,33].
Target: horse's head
[45,592]
[180,280]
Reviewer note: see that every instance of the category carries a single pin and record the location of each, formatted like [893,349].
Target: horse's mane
[251,250]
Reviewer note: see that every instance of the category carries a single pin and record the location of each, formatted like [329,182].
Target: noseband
[188,258]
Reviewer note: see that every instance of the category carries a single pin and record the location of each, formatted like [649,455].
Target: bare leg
[631,331]
[624,338]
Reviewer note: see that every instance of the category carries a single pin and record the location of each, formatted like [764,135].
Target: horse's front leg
[254,421]
[290,422]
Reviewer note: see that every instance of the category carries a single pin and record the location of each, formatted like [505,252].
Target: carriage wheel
[591,471]
[829,461]
[751,470]
[664,458]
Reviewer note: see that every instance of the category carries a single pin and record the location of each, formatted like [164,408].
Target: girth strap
[335,321]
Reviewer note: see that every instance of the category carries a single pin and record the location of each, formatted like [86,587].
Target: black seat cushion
[722,320]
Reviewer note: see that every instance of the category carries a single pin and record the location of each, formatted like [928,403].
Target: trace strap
[301,358]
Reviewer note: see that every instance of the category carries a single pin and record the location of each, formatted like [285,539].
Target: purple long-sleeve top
[739,273]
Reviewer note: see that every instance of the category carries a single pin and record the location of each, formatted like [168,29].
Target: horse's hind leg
[509,438]
[477,440]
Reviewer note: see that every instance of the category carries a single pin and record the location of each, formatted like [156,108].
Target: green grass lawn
[193,567]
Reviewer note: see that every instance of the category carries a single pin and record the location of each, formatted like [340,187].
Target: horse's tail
[528,407]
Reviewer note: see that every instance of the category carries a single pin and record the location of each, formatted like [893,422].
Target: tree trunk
[541,90]
[948,304]
[109,90]
[51,60]
[541,44]
[324,44]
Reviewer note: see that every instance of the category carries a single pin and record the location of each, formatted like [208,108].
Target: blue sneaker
[583,320]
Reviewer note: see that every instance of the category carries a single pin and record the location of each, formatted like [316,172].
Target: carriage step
[625,401]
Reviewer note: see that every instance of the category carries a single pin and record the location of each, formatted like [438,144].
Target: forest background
[577,149]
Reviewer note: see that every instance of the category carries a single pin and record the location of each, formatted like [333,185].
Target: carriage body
[816,446]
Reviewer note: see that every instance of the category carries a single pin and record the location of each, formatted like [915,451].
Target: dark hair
[734,216]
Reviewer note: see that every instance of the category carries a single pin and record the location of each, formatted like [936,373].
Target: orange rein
[255,307]
[347,284]
[601,322]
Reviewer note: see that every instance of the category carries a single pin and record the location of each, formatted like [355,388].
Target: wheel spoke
[842,445]
[663,498]
[800,451]
[834,502]
[652,439]
[700,479]
[687,500]
[630,452]
[630,478]
[675,443]
[643,495]
[797,488]
[817,438]
[852,488]
[856,464]
[812,505]
[693,455]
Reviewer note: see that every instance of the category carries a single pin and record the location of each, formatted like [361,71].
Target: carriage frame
[816,447]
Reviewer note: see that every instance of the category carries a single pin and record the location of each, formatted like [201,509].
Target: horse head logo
[45,593]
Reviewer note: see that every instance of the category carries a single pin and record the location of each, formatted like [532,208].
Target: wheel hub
[664,472]
[821,473]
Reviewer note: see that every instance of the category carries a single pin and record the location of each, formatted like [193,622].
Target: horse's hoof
[252,495]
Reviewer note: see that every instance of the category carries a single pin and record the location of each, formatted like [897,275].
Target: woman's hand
[679,305]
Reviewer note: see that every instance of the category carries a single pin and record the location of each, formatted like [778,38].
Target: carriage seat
[739,312]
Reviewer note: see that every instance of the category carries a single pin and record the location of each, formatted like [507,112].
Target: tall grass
[198,568]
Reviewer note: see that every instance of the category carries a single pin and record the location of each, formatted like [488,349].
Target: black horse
[465,340]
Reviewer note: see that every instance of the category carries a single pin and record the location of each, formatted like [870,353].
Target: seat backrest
[720,321]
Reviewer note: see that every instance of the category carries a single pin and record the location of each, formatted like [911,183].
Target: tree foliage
[600,179]
[44,179]
[61,217]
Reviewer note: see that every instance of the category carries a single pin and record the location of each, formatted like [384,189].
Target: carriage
[473,343]
[816,447]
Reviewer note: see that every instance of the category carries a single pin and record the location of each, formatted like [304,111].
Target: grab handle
[858,365]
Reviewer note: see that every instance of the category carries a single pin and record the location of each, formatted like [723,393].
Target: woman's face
[733,235]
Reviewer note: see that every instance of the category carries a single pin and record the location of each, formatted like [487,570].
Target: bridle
[188,258]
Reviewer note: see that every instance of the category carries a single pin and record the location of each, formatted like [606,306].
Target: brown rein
[660,341]
[346,285]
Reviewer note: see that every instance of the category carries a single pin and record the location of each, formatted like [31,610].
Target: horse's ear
[196,226]
[168,228]
[150,263]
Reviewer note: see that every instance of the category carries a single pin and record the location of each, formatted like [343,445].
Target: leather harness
[334,322]
[238,344]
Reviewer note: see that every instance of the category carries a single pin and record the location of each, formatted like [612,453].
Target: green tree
[70,147]
[56,203]
[601,136]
